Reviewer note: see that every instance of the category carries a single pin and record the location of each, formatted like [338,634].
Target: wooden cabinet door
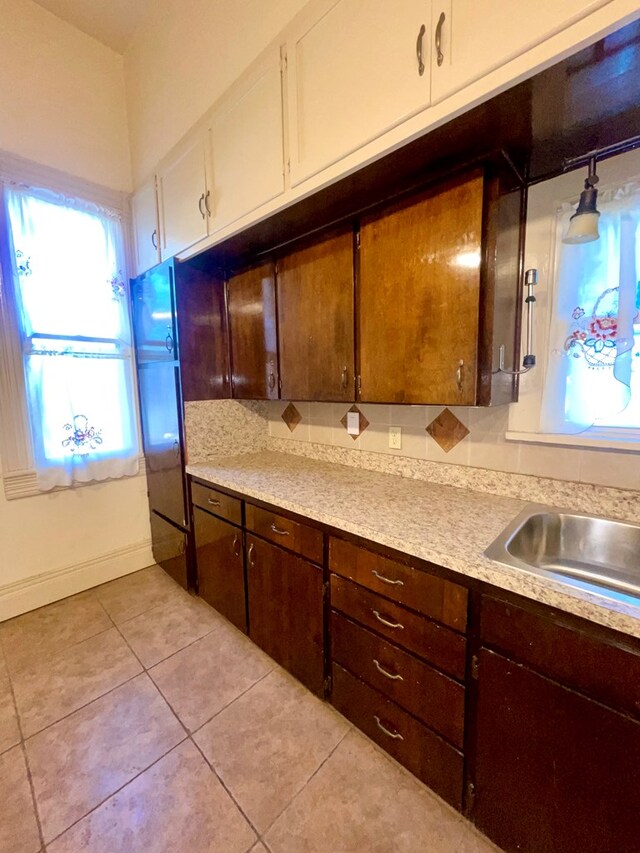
[220,566]
[418,298]
[315,321]
[247,146]
[354,73]
[251,301]
[182,188]
[203,335]
[144,208]
[477,36]
[285,610]
[554,771]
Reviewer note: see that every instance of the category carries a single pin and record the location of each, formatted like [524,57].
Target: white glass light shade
[583,228]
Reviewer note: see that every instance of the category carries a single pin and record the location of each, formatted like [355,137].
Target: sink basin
[596,554]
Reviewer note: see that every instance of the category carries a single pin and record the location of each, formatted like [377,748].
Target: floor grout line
[117,791]
[231,796]
[300,790]
[229,704]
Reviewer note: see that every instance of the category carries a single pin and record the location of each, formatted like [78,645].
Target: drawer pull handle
[213,501]
[394,735]
[386,580]
[394,676]
[278,530]
[386,621]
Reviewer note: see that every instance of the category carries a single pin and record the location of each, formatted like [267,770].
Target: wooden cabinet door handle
[236,543]
[386,621]
[345,378]
[394,676]
[439,26]
[460,375]
[419,47]
[387,580]
[154,238]
[272,380]
[394,735]
[200,208]
[250,553]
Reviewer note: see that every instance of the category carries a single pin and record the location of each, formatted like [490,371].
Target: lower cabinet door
[555,771]
[220,566]
[169,546]
[426,755]
[285,610]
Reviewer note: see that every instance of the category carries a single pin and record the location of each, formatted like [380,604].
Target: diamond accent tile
[363,423]
[447,430]
[291,416]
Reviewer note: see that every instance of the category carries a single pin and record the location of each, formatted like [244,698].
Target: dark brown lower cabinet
[220,566]
[170,549]
[555,772]
[285,595]
[420,750]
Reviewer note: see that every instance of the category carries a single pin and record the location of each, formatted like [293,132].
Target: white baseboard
[36,591]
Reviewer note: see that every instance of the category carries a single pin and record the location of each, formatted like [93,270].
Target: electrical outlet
[395,438]
[353,423]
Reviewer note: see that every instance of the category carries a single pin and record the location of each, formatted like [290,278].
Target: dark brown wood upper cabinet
[429,273]
[202,333]
[419,294]
[316,321]
[251,300]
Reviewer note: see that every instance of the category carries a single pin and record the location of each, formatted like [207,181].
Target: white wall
[184,59]
[62,104]
[62,97]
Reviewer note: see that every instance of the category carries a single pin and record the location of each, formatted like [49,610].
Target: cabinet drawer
[428,694]
[439,645]
[426,755]
[608,673]
[217,502]
[301,538]
[440,599]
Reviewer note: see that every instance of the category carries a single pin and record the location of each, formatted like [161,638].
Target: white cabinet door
[354,74]
[477,36]
[247,146]
[144,208]
[182,186]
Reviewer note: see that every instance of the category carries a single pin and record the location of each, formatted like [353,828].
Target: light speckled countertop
[442,524]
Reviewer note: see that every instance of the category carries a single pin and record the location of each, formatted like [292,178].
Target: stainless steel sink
[596,554]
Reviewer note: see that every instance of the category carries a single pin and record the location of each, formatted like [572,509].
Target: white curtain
[71,292]
[593,369]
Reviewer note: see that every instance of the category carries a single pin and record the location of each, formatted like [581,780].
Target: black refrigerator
[182,353]
[155,325]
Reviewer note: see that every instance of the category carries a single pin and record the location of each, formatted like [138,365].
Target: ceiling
[112,22]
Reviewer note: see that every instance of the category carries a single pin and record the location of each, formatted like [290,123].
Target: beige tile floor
[134,718]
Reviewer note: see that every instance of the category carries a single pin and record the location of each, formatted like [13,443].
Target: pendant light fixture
[583,225]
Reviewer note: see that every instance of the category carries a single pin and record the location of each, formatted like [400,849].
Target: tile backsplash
[458,436]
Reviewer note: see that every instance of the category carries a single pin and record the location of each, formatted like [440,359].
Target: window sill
[631,445]
[24,484]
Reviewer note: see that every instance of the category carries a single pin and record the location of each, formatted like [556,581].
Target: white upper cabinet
[247,145]
[354,73]
[183,199]
[144,209]
[477,36]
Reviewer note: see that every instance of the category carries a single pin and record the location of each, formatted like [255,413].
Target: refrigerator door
[170,549]
[160,413]
[154,316]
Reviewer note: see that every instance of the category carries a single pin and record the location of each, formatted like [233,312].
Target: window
[585,389]
[593,371]
[70,297]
